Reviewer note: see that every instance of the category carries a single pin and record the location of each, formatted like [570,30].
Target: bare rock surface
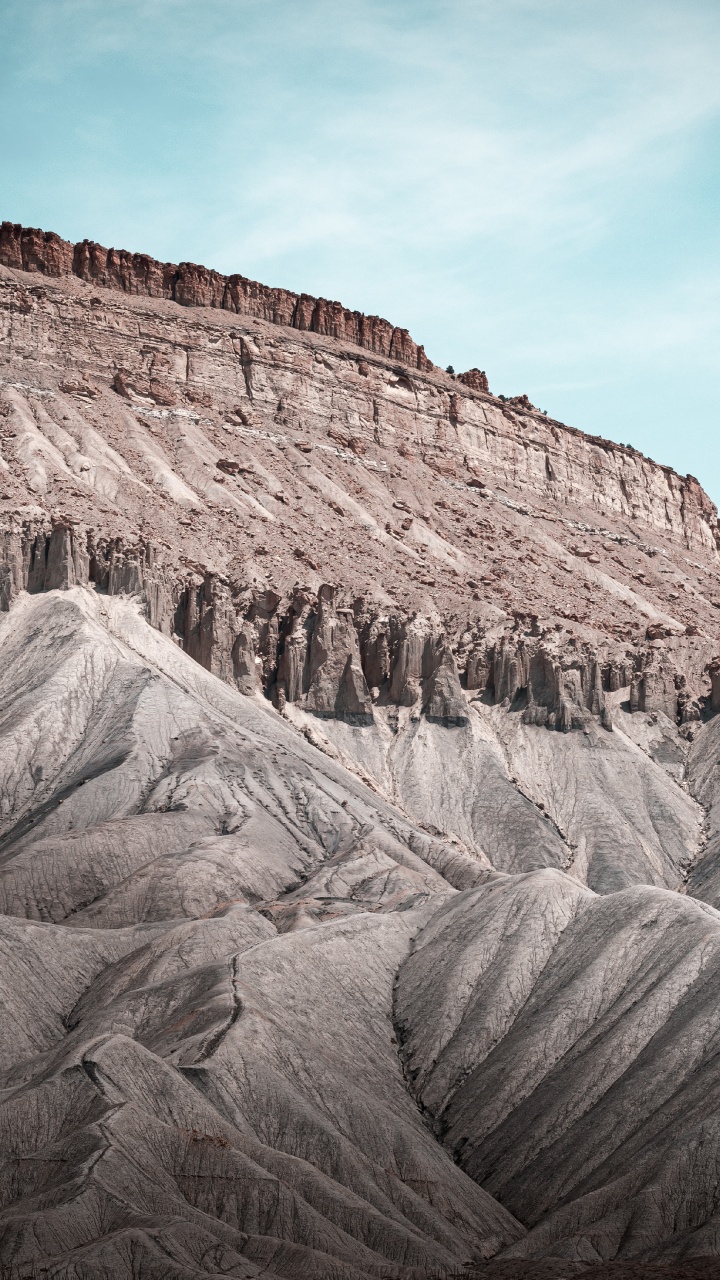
[191,285]
[565,1049]
[359,803]
[142,967]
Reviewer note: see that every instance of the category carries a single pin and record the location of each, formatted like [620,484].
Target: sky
[528,186]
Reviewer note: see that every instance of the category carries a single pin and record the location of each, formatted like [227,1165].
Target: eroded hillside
[359,803]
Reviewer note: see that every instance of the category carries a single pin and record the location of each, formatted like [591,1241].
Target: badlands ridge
[360,804]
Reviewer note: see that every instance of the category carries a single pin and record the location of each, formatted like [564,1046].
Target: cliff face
[453,426]
[221,465]
[28,249]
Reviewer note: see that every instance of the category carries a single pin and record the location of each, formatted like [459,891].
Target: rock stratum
[360,804]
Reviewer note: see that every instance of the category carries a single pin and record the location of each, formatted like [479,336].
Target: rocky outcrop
[29,249]
[443,698]
[294,640]
[422,670]
[671,676]
[475,379]
[336,683]
[655,687]
[558,683]
[42,560]
[306,649]
[714,673]
[559,688]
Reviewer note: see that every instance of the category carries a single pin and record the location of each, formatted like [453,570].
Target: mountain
[360,803]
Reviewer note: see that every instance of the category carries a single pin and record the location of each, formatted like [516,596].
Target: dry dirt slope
[359,802]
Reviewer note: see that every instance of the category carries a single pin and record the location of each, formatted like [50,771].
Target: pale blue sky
[527,186]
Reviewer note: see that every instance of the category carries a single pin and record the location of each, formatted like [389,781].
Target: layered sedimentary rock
[359,803]
[29,249]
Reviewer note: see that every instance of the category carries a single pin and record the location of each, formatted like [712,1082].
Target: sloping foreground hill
[455,1063]
[181,1082]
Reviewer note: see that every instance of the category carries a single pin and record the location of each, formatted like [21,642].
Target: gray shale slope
[359,804]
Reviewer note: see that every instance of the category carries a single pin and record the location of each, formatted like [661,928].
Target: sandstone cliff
[28,249]
[219,466]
